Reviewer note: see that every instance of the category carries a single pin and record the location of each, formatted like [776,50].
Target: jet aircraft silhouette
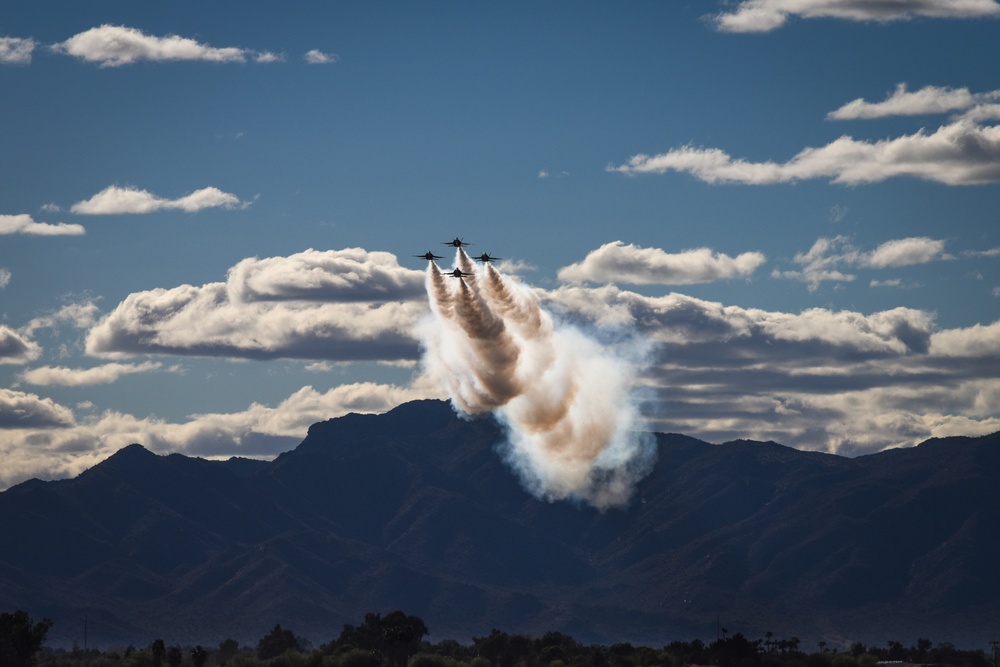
[429,256]
[459,273]
[485,257]
[457,243]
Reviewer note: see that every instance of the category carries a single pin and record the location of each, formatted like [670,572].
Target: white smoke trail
[565,399]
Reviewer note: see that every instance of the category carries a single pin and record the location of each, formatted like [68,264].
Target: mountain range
[415,510]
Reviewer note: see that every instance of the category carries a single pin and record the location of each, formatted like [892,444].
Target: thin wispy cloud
[903,102]
[16,50]
[317,57]
[114,46]
[768,15]
[82,377]
[23,223]
[5,276]
[117,200]
[631,264]
[830,259]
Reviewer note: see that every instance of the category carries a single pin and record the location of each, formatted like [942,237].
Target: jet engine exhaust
[565,399]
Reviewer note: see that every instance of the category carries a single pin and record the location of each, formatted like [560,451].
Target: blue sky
[208,213]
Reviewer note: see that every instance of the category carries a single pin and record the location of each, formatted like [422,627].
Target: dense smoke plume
[565,399]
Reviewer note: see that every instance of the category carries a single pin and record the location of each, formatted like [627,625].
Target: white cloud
[767,15]
[828,258]
[80,315]
[927,100]
[317,57]
[5,276]
[115,200]
[80,377]
[24,224]
[304,307]
[17,347]
[114,46]
[268,57]
[837,381]
[619,263]
[352,274]
[16,50]
[961,153]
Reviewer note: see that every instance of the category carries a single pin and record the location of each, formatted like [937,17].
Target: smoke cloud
[565,398]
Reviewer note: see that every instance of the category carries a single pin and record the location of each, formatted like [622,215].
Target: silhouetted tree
[396,636]
[21,638]
[175,656]
[276,642]
[158,649]
[227,651]
[198,656]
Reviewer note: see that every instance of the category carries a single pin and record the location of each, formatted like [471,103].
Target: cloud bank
[768,15]
[116,200]
[619,263]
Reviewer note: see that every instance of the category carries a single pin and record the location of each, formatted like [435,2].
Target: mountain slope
[413,509]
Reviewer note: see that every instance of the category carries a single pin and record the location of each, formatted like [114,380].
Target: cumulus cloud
[17,347]
[619,263]
[960,153]
[767,15]
[16,50]
[81,377]
[352,274]
[317,57]
[24,224]
[297,307]
[116,200]
[828,258]
[114,46]
[20,410]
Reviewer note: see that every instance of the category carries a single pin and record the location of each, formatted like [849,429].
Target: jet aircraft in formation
[458,273]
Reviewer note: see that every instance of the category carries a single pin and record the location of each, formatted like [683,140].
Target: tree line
[399,640]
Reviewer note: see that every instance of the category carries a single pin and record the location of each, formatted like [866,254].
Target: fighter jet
[459,273]
[457,243]
[485,257]
[429,256]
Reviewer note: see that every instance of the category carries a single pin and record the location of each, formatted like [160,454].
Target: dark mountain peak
[127,460]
